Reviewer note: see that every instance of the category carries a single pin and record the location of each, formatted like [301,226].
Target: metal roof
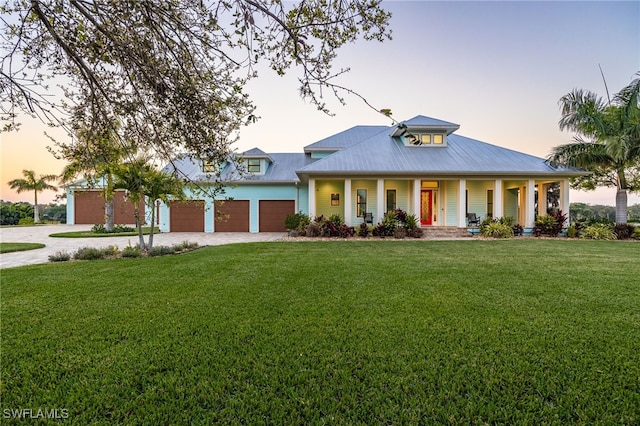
[373,151]
[282,169]
[383,154]
[346,138]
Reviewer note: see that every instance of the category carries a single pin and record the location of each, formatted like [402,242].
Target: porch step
[435,232]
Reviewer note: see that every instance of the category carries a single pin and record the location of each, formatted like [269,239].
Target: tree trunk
[621,206]
[153,222]
[109,216]
[36,215]
[109,206]
[141,243]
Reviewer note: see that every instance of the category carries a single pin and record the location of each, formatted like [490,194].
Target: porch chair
[368,218]
[472,219]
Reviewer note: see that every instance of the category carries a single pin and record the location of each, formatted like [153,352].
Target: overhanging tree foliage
[172,71]
[607,141]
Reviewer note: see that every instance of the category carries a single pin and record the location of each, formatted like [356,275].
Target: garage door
[273,213]
[89,208]
[186,216]
[232,216]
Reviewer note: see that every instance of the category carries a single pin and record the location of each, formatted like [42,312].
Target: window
[253,165]
[361,202]
[391,199]
[489,202]
[209,166]
[335,199]
[425,139]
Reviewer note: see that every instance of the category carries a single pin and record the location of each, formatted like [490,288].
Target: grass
[388,332]
[11,247]
[90,234]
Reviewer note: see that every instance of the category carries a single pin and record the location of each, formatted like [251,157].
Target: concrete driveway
[40,234]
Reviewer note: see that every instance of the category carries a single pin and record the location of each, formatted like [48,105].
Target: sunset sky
[495,68]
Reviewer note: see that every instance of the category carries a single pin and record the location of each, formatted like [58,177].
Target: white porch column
[462,203]
[498,197]
[530,204]
[312,198]
[564,198]
[347,202]
[416,197]
[542,199]
[380,199]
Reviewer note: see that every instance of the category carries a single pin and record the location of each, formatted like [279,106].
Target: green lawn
[520,331]
[11,247]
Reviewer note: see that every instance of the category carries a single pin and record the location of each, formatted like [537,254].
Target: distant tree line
[22,213]
[581,212]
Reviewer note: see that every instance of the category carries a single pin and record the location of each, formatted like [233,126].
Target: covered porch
[436,201]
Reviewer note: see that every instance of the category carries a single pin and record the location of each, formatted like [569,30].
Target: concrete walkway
[40,234]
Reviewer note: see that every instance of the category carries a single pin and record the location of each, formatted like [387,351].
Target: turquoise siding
[255,193]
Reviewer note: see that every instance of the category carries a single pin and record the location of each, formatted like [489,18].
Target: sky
[497,69]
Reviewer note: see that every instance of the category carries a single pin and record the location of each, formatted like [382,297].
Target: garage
[231,216]
[273,214]
[186,216]
[89,208]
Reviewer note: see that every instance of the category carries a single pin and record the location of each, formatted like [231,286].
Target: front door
[426,207]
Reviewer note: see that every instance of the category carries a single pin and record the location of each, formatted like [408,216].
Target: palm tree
[31,183]
[607,141]
[143,182]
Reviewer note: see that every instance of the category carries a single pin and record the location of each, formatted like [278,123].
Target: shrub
[636,233]
[623,232]
[185,245]
[336,219]
[88,253]
[131,252]
[60,256]
[313,230]
[26,221]
[110,251]
[496,230]
[98,228]
[364,230]
[122,228]
[572,231]
[416,232]
[400,233]
[410,222]
[549,224]
[161,251]
[345,231]
[296,221]
[599,231]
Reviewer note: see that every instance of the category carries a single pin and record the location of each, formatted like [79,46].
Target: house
[422,166]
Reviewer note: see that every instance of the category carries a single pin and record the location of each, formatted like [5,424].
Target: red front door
[426,207]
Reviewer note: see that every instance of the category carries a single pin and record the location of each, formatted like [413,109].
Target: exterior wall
[511,203]
[450,189]
[403,193]
[372,200]
[324,189]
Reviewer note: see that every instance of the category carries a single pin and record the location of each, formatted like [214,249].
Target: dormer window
[253,165]
[424,139]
